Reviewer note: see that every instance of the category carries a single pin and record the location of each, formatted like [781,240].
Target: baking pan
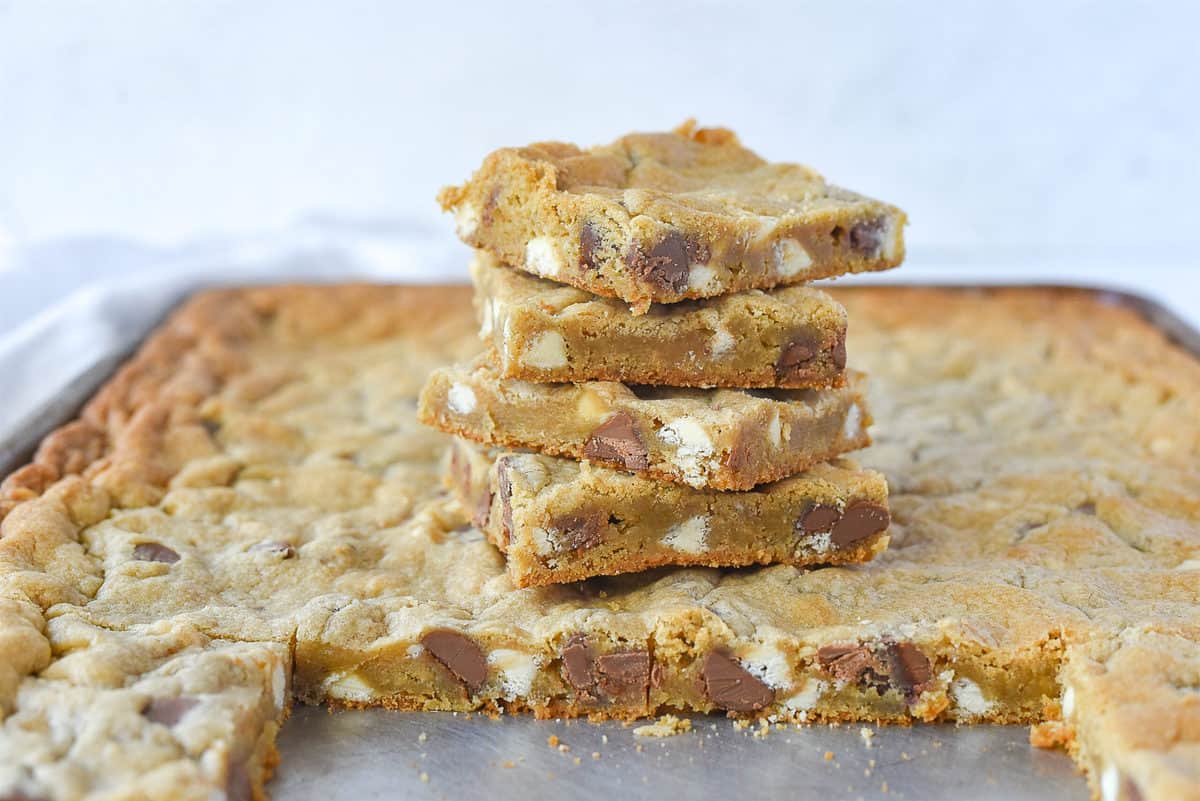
[376,753]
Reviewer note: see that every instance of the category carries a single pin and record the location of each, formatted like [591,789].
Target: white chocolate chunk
[516,670]
[721,342]
[461,399]
[542,258]
[1068,703]
[701,277]
[466,220]
[415,650]
[349,686]
[852,425]
[1110,783]
[767,663]
[279,686]
[791,258]
[690,536]
[807,696]
[775,430]
[547,351]
[969,697]
[693,449]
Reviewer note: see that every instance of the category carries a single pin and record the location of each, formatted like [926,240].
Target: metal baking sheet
[377,753]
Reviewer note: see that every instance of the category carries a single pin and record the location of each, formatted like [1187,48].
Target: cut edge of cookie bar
[560,521]
[539,330]
[676,652]
[672,434]
[661,218]
[1129,708]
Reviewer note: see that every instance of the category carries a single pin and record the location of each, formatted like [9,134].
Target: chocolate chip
[623,674]
[154,552]
[616,440]
[17,794]
[793,356]
[860,520]
[1086,508]
[909,670]
[665,265]
[168,711]
[459,654]
[846,663]
[211,426]
[238,786]
[505,486]
[899,666]
[589,243]
[283,550]
[839,353]
[819,519]
[741,455]
[866,237]
[579,531]
[730,686]
[577,664]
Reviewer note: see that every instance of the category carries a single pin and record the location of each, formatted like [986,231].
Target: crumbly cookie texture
[257,474]
[157,711]
[666,216]
[728,439]
[557,520]
[539,330]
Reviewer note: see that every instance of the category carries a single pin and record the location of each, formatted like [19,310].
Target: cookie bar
[540,330]
[557,520]
[1137,739]
[657,218]
[159,711]
[1041,449]
[715,438]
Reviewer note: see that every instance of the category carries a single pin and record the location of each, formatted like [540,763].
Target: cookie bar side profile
[662,217]
[557,520]
[539,330]
[719,439]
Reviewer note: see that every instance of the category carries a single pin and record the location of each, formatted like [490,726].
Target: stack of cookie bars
[661,386]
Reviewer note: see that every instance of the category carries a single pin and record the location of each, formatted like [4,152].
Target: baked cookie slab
[728,439]
[1041,451]
[158,711]
[558,520]
[543,331]
[658,218]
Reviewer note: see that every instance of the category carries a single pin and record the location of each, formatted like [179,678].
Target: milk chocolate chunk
[504,484]
[589,243]
[730,686]
[459,654]
[665,265]
[909,670]
[839,354]
[623,674]
[819,519]
[860,520]
[577,663]
[168,711]
[794,355]
[579,531]
[866,237]
[154,552]
[847,663]
[616,440]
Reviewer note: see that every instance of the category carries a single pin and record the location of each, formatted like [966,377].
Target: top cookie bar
[662,217]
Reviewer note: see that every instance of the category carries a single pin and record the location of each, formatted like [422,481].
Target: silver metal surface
[378,753]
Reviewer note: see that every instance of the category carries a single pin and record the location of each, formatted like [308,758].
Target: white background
[1010,132]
